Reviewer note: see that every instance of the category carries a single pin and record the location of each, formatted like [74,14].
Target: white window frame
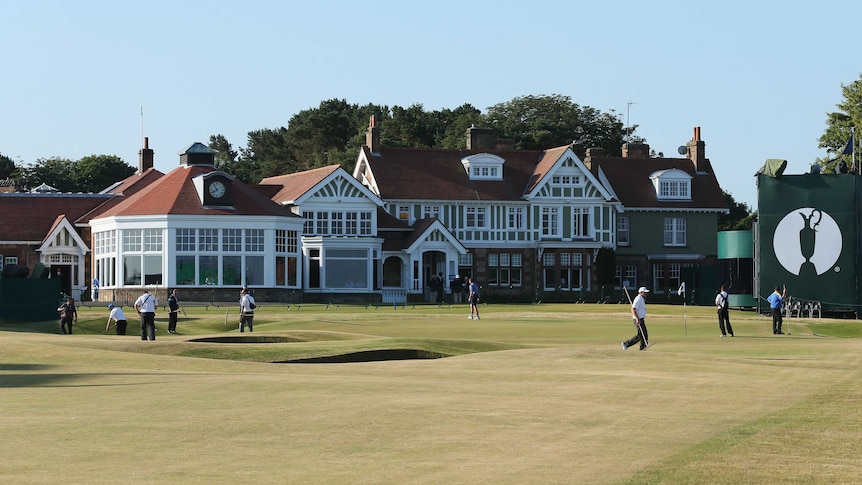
[675,231]
[550,221]
[475,217]
[515,217]
[623,231]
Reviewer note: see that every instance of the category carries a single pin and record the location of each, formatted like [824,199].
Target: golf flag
[681,289]
[849,148]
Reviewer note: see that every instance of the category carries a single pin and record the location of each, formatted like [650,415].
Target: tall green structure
[736,267]
[807,238]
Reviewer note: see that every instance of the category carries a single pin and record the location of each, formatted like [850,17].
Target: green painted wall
[647,234]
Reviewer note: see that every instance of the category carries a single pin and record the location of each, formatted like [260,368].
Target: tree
[839,127]
[228,160]
[7,166]
[454,125]
[740,216]
[322,136]
[55,171]
[268,154]
[97,172]
[540,122]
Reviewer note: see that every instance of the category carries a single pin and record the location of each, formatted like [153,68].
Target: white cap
[643,289]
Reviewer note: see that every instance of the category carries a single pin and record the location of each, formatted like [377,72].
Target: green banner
[807,227]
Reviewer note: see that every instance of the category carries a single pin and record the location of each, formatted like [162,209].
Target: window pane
[231,240]
[132,270]
[209,270]
[254,270]
[346,273]
[185,270]
[254,240]
[231,270]
[153,270]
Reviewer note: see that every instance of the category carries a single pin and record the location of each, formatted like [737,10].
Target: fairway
[528,394]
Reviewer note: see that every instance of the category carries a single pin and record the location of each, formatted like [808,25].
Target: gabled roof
[424,227]
[174,193]
[629,178]
[437,174]
[546,163]
[294,185]
[63,224]
[297,188]
[27,217]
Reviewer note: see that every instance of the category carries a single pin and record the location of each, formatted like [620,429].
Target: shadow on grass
[251,339]
[368,356]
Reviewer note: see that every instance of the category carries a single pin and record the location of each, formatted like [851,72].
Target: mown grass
[530,394]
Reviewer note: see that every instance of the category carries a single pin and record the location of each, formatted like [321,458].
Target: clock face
[217,190]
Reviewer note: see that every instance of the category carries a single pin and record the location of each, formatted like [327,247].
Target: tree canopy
[740,217]
[540,122]
[93,173]
[839,126]
[7,166]
[332,132]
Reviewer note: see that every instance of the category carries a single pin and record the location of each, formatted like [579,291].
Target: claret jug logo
[807,242]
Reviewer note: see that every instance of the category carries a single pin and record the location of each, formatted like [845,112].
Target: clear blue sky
[757,77]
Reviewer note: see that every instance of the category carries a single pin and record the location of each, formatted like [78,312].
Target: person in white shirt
[146,306]
[639,316]
[118,316]
[723,314]
[246,311]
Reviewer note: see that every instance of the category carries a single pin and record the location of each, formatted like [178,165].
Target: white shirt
[147,303]
[117,314]
[639,304]
[721,299]
[245,304]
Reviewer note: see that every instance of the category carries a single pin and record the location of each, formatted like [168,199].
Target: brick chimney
[696,150]
[635,150]
[372,136]
[145,157]
[481,138]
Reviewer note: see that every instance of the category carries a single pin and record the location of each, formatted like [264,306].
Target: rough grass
[531,394]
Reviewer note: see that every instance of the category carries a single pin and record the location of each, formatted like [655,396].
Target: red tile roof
[294,185]
[29,217]
[174,193]
[629,178]
[127,187]
[437,174]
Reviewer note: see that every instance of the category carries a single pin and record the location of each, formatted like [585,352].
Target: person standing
[174,311]
[246,311]
[94,293]
[68,313]
[456,285]
[118,316]
[473,298]
[723,313]
[146,306]
[639,316]
[776,302]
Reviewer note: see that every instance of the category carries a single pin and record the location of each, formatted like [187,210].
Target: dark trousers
[642,337]
[63,324]
[148,325]
[724,322]
[246,320]
[172,321]
[777,320]
[121,327]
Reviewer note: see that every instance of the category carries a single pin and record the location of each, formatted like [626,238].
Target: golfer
[118,316]
[639,316]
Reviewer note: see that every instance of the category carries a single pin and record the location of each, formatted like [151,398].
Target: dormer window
[671,184]
[483,166]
